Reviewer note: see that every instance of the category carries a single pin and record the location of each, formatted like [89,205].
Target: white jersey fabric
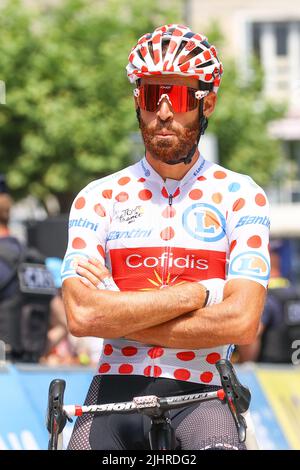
[151,233]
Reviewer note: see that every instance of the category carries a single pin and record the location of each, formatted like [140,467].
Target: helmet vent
[140,55]
[150,48]
[207,64]
[164,46]
[194,52]
[182,46]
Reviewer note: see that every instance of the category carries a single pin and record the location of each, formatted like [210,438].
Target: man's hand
[94,274]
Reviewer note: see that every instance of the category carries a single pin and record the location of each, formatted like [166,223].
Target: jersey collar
[194,172]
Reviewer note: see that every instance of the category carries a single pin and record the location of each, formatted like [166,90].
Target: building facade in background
[269,30]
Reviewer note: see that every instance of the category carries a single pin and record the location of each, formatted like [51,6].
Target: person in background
[62,347]
[276,331]
[10,253]
[5,207]
[25,291]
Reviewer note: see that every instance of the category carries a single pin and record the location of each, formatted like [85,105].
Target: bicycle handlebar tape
[234,390]
[56,417]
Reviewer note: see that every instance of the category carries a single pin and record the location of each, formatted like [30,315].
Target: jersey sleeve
[248,235]
[88,227]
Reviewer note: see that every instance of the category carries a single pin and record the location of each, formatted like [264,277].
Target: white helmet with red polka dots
[186,53]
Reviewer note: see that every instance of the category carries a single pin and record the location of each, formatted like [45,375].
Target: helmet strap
[138,115]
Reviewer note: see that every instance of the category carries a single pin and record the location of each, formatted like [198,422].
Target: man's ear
[209,104]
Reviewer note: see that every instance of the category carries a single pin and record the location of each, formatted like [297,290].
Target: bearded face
[167,140]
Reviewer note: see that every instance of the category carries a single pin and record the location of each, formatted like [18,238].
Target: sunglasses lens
[149,97]
[181,98]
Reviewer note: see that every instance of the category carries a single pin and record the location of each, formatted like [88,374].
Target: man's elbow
[81,322]
[76,327]
[248,332]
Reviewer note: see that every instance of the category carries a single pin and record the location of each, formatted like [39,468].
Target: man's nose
[164,111]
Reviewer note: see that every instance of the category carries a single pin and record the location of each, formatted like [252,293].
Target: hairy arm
[106,314]
[235,320]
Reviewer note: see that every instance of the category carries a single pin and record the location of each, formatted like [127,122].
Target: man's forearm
[198,329]
[115,314]
[227,322]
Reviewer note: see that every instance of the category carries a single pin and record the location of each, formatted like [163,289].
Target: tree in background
[69,117]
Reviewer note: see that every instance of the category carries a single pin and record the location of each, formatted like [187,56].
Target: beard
[173,148]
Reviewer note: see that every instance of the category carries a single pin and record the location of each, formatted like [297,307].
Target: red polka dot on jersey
[177,192]
[220,175]
[99,209]
[260,199]
[122,197]
[201,178]
[217,198]
[195,194]
[126,369]
[182,374]
[165,193]
[212,358]
[186,356]
[124,180]
[153,371]
[168,212]
[107,193]
[167,234]
[254,242]
[129,351]
[80,203]
[155,352]
[141,180]
[101,251]
[145,195]
[104,368]
[232,245]
[206,377]
[239,204]
[78,243]
[108,350]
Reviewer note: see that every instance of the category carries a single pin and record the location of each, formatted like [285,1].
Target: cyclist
[146,264]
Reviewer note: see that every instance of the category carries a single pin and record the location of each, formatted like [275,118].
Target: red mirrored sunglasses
[182,98]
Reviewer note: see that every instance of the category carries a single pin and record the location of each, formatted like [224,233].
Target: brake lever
[237,395]
[56,417]
[239,421]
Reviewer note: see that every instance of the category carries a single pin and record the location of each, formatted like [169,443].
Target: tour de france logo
[204,222]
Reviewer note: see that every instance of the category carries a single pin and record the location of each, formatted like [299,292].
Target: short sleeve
[248,235]
[88,227]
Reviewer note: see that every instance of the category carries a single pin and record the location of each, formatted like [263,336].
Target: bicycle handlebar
[233,392]
[150,405]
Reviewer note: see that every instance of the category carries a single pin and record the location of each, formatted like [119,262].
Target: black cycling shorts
[208,425]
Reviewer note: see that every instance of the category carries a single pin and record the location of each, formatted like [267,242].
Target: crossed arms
[172,317]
